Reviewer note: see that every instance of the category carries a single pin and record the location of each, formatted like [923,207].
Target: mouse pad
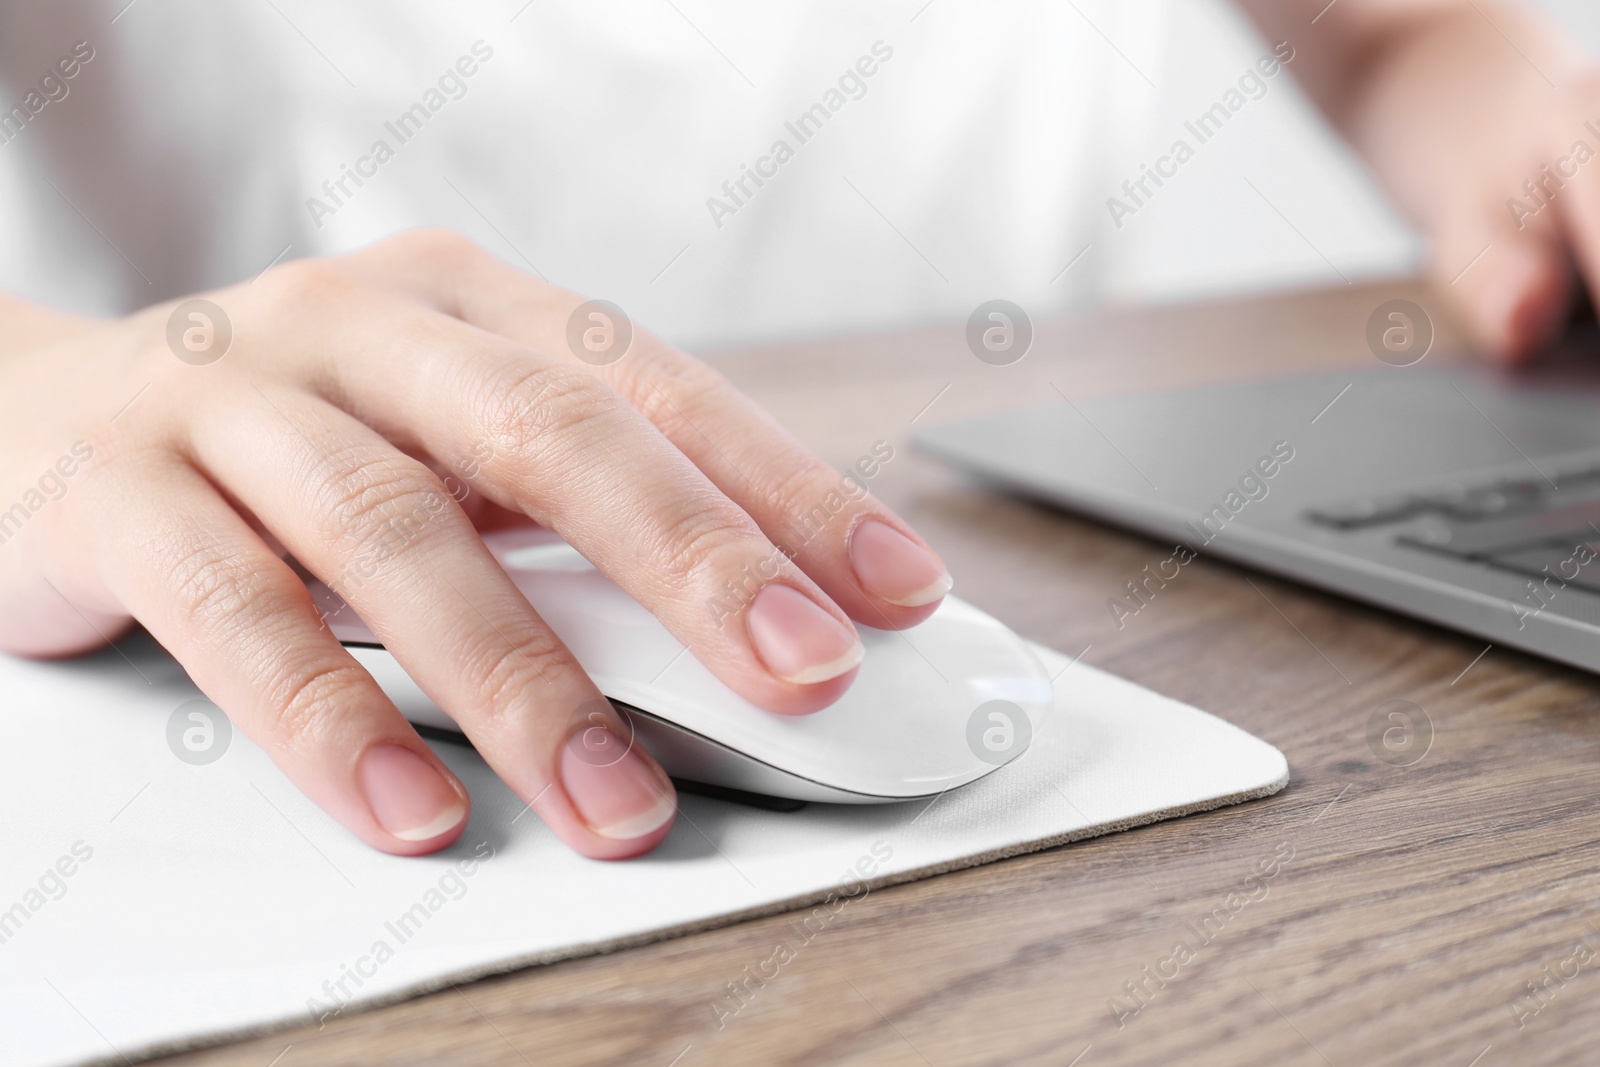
[154,902]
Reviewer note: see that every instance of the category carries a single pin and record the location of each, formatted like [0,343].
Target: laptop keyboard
[1524,525]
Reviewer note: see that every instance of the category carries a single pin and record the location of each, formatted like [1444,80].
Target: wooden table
[1419,903]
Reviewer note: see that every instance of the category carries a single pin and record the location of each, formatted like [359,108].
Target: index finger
[865,557]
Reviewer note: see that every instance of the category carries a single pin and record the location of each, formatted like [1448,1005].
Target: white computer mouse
[933,707]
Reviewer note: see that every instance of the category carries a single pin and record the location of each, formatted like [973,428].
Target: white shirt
[953,151]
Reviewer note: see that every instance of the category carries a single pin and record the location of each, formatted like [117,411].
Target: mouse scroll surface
[932,707]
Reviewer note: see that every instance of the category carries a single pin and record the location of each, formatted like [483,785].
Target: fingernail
[890,565]
[619,792]
[797,640]
[1536,321]
[408,797]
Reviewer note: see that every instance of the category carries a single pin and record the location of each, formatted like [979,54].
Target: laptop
[1463,495]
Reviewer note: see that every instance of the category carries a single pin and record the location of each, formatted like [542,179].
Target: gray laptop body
[1467,497]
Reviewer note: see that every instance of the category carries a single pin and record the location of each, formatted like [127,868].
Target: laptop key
[1575,476]
[1566,525]
[1565,564]
[1454,501]
[1360,514]
[1512,498]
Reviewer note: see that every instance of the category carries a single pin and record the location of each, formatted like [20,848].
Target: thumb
[1512,286]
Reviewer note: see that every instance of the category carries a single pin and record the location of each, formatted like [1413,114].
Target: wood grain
[1417,903]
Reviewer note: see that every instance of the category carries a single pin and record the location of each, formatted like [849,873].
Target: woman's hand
[1484,123]
[167,490]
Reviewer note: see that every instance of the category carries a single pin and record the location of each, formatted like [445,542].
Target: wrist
[25,324]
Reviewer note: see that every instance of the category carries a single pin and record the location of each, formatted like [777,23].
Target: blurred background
[975,163]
